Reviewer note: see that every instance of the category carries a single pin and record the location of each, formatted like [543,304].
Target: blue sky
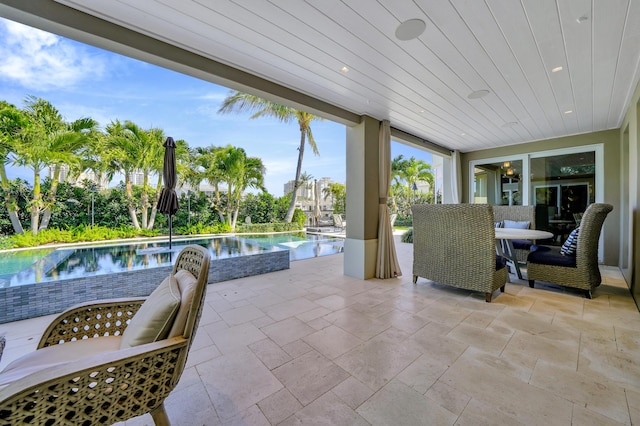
[84,81]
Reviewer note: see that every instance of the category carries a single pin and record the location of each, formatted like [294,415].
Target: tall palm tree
[306,181]
[47,141]
[408,172]
[65,147]
[239,172]
[207,164]
[12,121]
[242,102]
[338,194]
[123,153]
[149,152]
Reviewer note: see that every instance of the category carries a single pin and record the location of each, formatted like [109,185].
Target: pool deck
[309,345]
[25,301]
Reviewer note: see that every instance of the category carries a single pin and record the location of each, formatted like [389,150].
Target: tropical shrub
[407,237]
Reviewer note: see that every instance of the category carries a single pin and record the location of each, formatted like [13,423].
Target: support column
[361,244]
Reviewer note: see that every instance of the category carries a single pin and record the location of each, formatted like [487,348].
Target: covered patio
[310,345]
[325,342]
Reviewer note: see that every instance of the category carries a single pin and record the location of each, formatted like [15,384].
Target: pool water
[39,265]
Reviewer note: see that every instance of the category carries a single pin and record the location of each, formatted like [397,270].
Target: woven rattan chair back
[454,244]
[115,385]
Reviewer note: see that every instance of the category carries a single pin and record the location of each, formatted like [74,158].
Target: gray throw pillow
[513,224]
[155,317]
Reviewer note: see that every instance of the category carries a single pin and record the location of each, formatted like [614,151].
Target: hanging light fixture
[510,171]
[506,164]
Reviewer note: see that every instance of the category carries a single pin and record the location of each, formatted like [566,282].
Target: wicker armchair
[83,373]
[454,244]
[545,263]
[517,214]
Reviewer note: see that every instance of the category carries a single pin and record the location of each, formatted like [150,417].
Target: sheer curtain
[456,177]
[387,263]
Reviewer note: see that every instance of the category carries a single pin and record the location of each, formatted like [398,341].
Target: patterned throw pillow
[569,246]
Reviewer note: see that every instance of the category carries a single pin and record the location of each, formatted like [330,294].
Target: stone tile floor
[311,346]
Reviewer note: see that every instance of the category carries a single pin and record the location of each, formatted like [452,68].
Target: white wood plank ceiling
[508,47]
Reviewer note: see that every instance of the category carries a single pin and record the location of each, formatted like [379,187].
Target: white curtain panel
[387,265]
[456,177]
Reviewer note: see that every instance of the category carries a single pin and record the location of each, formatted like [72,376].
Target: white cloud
[214,96]
[41,61]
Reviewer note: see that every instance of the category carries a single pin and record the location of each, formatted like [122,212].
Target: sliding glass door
[560,183]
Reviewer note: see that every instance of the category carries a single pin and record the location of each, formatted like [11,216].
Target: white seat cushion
[58,354]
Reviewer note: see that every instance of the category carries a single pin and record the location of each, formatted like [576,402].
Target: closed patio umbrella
[168,201]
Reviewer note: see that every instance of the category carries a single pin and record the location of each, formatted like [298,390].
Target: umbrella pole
[170,232]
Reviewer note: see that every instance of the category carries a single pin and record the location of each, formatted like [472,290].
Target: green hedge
[81,233]
[256,228]
[199,228]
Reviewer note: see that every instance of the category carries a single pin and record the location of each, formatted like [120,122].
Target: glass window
[562,186]
[498,183]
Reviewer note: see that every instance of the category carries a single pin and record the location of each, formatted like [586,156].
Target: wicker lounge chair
[454,244]
[545,263]
[92,365]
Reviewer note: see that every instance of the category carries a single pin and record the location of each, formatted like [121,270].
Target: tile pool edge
[33,300]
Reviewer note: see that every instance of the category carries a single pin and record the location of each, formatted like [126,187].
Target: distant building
[306,200]
[204,187]
[137,177]
[89,175]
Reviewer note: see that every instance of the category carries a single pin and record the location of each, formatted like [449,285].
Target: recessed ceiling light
[582,19]
[421,111]
[569,111]
[478,94]
[463,134]
[410,29]
[556,69]
[344,70]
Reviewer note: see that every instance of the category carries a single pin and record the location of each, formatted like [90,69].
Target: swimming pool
[42,265]
[58,279]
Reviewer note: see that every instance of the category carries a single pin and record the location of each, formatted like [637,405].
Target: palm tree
[338,194]
[12,121]
[70,139]
[306,181]
[48,141]
[207,165]
[149,152]
[408,172]
[123,153]
[239,172]
[242,102]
